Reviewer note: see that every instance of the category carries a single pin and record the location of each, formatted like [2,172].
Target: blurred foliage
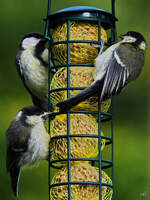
[131,108]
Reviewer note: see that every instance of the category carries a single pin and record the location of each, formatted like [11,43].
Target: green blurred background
[131,108]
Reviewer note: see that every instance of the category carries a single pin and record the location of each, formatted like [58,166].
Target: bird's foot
[99,46]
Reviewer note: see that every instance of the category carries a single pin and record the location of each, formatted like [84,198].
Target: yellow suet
[81,147]
[79,52]
[85,173]
[79,77]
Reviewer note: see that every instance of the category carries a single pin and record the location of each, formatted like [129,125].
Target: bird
[32,66]
[27,142]
[120,64]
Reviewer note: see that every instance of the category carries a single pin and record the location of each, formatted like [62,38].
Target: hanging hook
[113,7]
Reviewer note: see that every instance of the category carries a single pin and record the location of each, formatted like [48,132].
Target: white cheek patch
[29,42]
[119,60]
[142,46]
[33,120]
[18,115]
[129,39]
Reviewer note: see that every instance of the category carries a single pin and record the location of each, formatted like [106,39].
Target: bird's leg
[101,47]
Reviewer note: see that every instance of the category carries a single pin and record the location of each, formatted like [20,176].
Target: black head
[32,40]
[31,110]
[138,36]
[33,34]
[135,38]
[31,115]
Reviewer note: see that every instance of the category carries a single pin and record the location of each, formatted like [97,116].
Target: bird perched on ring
[32,65]
[27,142]
[120,64]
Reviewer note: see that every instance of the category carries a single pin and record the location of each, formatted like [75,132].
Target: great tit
[32,65]
[27,142]
[114,69]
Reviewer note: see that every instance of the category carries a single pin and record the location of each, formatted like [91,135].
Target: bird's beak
[45,115]
[121,36]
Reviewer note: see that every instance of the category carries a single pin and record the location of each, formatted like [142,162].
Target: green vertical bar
[46,35]
[113,30]
[49,80]
[47,21]
[68,113]
[112,148]
[113,7]
[99,129]
[114,39]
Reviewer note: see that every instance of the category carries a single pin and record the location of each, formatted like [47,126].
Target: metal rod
[75,65]
[46,32]
[112,148]
[70,88]
[80,41]
[99,129]
[81,159]
[68,114]
[83,112]
[113,7]
[49,7]
[49,80]
[81,135]
[106,164]
[81,183]
[92,163]
[113,30]
[49,171]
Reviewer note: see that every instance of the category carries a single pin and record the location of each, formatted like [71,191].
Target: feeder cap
[80,8]
[82,13]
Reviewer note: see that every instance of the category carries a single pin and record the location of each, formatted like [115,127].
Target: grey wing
[18,64]
[17,140]
[122,69]
[20,70]
[43,105]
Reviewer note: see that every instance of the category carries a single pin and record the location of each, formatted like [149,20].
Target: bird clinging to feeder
[27,142]
[79,77]
[115,68]
[32,65]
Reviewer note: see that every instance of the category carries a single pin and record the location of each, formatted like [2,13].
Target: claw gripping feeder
[77,139]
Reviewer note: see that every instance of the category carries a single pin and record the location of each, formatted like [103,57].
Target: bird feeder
[70,32]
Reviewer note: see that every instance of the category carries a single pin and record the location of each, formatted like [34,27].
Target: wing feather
[16,144]
[115,79]
[122,68]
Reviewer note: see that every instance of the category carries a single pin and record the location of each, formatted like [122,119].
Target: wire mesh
[103,117]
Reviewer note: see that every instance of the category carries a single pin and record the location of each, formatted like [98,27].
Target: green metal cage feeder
[107,21]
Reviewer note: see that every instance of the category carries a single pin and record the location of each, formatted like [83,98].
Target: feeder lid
[80,8]
[82,13]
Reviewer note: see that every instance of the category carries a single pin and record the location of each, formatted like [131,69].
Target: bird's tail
[81,96]
[15,175]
